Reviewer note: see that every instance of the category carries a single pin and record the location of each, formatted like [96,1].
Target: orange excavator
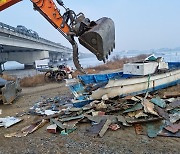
[97,36]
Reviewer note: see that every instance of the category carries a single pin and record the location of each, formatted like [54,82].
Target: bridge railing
[2,25]
[13,29]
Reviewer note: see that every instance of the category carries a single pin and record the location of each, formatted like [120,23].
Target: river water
[17,69]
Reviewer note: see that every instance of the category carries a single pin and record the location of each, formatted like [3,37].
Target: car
[33,33]
[22,29]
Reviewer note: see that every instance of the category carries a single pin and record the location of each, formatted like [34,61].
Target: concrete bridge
[23,47]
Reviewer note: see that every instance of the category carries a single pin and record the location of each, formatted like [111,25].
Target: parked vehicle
[59,73]
[33,33]
[22,29]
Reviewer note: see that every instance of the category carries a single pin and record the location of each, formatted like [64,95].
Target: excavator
[97,36]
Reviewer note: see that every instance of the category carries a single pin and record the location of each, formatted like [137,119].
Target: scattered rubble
[27,130]
[149,113]
[147,118]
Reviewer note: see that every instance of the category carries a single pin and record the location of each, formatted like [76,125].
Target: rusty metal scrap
[166,133]
[173,128]
[114,127]
[139,129]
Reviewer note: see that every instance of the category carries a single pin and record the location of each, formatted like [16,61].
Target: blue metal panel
[82,103]
[98,78]
[174,65]
[78,88]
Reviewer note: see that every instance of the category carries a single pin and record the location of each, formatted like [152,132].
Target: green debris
[136,107]
[159,102]
[67,131]
[154,128]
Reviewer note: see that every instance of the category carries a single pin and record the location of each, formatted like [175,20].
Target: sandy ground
[121,141]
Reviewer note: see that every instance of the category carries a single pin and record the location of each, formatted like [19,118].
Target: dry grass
[8,77]
[115,63]
[32,81]
[118,62]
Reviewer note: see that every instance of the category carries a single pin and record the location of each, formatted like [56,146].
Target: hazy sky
[140,24]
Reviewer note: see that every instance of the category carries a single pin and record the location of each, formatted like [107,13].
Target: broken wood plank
[71,118]
[169,134]
[58,123]
[135,121]
[171,94]
[162,112]
[105,128]
[95,129]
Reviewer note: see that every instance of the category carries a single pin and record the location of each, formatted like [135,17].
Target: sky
[139,24]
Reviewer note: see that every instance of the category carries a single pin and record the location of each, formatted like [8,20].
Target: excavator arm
[97,36]
[7,3]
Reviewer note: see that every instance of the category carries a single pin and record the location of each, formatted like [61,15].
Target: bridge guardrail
[13,29]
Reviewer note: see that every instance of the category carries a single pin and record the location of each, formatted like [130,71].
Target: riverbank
[31,78]
[124,140]
[121,141]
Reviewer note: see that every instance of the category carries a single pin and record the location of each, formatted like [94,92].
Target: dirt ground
[121,141]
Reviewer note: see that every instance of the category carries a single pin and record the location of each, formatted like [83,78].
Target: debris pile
[149,115]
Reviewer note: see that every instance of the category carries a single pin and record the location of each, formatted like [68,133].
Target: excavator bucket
[100,38]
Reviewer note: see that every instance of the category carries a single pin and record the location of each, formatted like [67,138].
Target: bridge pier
[26,66]
[1,69]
